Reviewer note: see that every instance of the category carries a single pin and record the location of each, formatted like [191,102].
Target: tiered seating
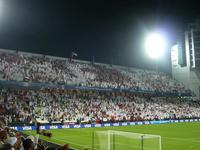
[68,106]
[28,68]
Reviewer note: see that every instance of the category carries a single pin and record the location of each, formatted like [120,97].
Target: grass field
[177,136]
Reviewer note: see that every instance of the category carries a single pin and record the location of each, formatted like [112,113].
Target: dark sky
[107,29]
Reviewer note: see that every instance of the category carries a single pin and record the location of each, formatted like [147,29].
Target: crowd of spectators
[35,68]
[75,106]
[13,140]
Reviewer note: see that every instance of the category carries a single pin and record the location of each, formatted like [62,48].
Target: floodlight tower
[155,46]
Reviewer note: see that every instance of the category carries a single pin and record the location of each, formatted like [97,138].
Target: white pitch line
[71,142]
[196,140]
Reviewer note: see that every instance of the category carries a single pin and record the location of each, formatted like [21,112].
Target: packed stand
[74,106]
[35,68]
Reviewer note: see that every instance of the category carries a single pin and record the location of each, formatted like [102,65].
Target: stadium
[50,102]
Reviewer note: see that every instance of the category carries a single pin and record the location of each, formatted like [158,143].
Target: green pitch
[177,136]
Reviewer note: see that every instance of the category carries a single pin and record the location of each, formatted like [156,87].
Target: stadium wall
[185,74]
[195,83]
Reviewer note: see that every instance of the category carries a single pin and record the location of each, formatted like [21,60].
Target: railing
[36,85]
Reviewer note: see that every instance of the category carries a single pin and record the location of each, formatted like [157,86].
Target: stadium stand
[68,106]
[31,68]
[52,90]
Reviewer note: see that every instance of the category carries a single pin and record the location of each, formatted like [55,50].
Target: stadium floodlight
[155,45]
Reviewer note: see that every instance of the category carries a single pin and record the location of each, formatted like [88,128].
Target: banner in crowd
[47,127]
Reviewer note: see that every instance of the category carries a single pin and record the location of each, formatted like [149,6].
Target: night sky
[109,30]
